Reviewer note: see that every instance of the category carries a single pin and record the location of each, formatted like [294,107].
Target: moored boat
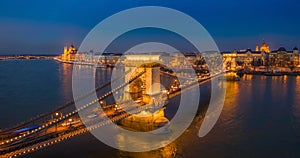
[273,73]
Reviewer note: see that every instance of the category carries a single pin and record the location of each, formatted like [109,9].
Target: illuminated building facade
[284,58]
[262,56]
[69,54]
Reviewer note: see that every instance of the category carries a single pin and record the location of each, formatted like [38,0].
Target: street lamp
[102,102]
[70,122]
[55,116]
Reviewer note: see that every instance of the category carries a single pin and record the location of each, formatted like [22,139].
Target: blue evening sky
[44,27]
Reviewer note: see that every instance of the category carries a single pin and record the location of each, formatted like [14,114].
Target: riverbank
[27,57]
[271,73]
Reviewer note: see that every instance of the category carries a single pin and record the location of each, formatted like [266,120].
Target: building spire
[256,47]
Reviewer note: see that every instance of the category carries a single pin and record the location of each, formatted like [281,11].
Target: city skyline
[199,78]
[44,28]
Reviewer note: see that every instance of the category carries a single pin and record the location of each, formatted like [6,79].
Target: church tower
[264,47]
[256,48]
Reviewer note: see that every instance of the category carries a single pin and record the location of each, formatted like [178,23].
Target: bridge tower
[229,61]
[148,84]
[147,88]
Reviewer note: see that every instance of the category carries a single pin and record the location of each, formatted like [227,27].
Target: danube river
[260,118]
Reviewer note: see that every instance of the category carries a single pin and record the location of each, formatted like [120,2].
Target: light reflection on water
[260,118]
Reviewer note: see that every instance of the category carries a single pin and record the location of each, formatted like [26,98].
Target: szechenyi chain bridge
[136,84]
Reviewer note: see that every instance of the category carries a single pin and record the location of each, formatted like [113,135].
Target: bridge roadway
[57,130]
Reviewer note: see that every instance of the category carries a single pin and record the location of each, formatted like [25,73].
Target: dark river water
[260,117]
